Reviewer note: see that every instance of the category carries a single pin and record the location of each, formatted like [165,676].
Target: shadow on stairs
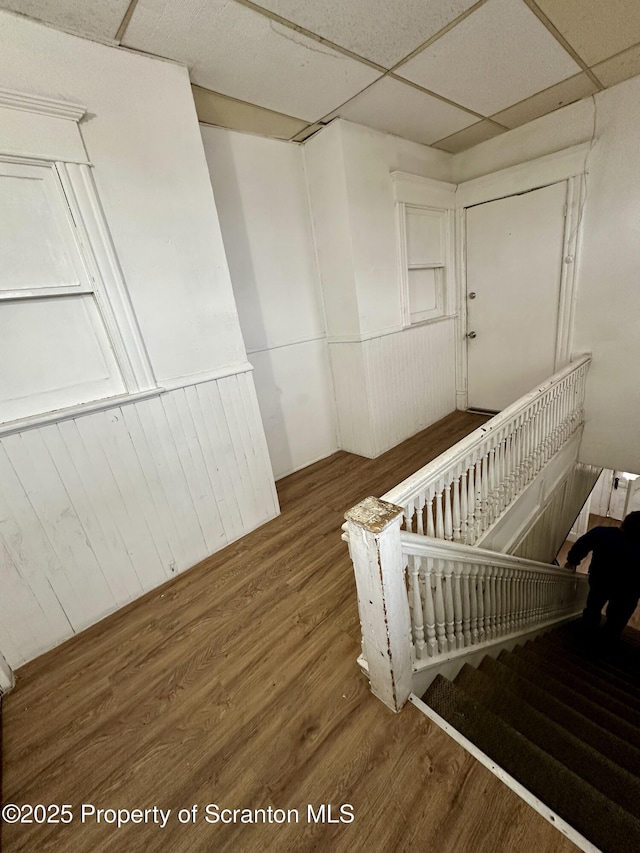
[562,716]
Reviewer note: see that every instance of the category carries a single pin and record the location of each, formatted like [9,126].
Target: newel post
[374,542]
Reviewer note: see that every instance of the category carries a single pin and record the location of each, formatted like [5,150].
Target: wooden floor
[236,684]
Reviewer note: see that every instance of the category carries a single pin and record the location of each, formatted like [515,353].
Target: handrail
[455,455]
[415,545]
[464,492]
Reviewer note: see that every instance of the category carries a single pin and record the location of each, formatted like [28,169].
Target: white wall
[261,194]
[121,499]
[390,382]
[608,297]
[142,139]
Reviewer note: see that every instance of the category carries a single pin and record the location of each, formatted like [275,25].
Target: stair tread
[588,675]
[579,684]
[599,771]
[578,701]
[586,659]
[605,823]
[589,730]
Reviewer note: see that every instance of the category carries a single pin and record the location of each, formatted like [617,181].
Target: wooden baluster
[466,605]
[528,449]
[531,608]
[458,610]
[508,467]
[471,501]
[528,471]
[429,610]
[456,520]
[484,492]
[464,519]
[448,514]
[537,438]
[541,592]
[546,429]
[561,401]
[508,601]
[431,531]
[517,457]
[533,440]
[440,611]
[480,599]
[479,529]
[522,453]
[490,602]
[417,616]
[500,491]
[583,391]
[499,627]
[518,591]
[551,426]
[568,407]
[492,486]
[449,610]
[558,427]
[439,513]
[420,514]
[408,516]
[515,460]
[473,601]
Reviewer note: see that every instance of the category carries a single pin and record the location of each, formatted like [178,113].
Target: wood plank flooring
[236,684]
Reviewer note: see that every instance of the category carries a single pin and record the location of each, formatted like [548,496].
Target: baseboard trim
[548,814]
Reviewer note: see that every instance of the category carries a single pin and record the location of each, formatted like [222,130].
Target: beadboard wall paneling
[355,422]
[412,380]
[97,510]
[388,388]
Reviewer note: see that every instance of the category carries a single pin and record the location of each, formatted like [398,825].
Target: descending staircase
[562,716]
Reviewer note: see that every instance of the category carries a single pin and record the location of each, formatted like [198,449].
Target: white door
[514,265]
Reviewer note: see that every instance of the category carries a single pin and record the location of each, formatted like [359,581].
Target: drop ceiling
[446,73]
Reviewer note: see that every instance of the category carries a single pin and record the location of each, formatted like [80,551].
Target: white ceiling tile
[573,89]
[619,68]
[398,108]
[379,30]
[94,18]
[239,52]
[595,29]
[469,137]
[499,55]
[213,108]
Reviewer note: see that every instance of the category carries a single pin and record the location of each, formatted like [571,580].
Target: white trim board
[72,412]
[548,814]
[550,169]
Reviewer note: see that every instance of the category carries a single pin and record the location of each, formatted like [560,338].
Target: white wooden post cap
[373,514]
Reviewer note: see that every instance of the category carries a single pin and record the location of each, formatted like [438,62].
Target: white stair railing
[428,593]
[463,492]
[460,596]
[422,600]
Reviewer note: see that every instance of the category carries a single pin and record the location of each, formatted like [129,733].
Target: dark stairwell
[562,716]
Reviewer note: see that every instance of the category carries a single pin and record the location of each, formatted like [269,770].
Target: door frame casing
[568,165]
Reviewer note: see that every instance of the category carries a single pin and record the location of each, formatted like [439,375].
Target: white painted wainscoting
[409,385]
[97,509]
